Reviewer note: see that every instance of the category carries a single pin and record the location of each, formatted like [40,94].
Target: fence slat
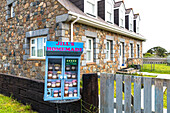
[127,106]
[137,94]
[102,92]
[109,94]
[118,93]
[158,96]
[147,95]
[168,96]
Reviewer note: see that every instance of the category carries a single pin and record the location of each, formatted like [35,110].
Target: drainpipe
[72,27]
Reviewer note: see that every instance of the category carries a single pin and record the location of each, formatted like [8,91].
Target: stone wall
[34,18]
[100,64]
[30,16]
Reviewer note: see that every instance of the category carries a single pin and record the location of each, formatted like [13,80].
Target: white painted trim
[109,27]
[109,58]
[91,51]
[112,11]
[95,8]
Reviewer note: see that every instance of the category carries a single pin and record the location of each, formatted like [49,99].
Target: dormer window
[136,23]
[131,24]
[121,18]
[109,11]
[90,7]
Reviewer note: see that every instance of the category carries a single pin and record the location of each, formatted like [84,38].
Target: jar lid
[70,92]
[66,88]
[50,72]
[75,91]
[58,81]
[59,72]
[57,65]
[56,91]
[53,82]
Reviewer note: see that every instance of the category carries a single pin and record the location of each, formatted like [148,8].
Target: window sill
[36,59]
[91,63]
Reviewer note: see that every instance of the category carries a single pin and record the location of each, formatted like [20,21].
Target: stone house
[26,25]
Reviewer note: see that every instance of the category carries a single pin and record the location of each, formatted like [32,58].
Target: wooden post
[90,92]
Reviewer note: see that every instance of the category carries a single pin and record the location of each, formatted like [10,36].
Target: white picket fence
[132,104]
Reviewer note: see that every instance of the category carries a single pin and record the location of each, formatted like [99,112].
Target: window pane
[109,7]
[39,47]
[44,51]
[108,45]
[88,56]
[107,55]
[33,51]
[89,46]
[90,8]
[33,41]
[45,39]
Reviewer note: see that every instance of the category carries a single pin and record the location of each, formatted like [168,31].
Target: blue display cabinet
[62,72]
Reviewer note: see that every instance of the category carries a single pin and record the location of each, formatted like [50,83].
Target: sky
[155,21]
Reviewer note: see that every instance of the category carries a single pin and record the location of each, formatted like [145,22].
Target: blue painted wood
[118,93]
[168,96]
[158,96]
[109,108]
[102,92]
[127,105]
[147,95]
[137,94]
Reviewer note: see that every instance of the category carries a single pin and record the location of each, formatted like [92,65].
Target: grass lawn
[159,68]
[9,105]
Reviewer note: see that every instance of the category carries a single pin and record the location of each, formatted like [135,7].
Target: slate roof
[128,10]
[136,15]
[71,7]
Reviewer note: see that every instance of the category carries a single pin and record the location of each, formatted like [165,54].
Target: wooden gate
[132,104]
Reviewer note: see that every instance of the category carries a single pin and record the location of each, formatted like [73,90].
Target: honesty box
[64,46]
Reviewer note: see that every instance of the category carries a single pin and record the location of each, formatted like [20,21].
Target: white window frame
[109,14]
[86,10]
[91,50]
[108,52]
[122,16]
[35,45]
[130,23]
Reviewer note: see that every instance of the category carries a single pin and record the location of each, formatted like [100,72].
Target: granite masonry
[50,18]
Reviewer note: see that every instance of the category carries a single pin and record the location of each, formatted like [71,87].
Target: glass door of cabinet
[54,71]
[71,78]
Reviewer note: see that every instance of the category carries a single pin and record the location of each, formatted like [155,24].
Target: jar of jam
[58,72]
[73,68]
[74,83]
[58,83]
[68,75]
[70,94]
[66,84]
[75,93]
[68,68]
[66,92]
[50,74]
[53,84]
[74,76]
[50,67]
[70,84]
[59,93]
[49,84]
[55,76]
[57,67]
[56,94]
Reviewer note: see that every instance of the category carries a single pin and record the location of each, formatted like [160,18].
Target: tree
[158,51]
